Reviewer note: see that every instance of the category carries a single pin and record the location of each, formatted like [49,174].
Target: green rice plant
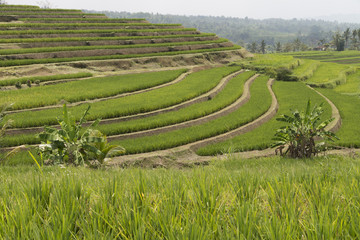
[23,80]
[271,198]
[352,85]
[349,133]
[70,39]
[99,47]
[258,104]
[88,89]
[49,19]
[51,14]
[263,61]
[329,75]
[261,137]
[73,144]
[77,25]
[51,10]
[18,6]
[192,86]
[232,91]
[47,32]
[21,62]
[306,70]
[325,55]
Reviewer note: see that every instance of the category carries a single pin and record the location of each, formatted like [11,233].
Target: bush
[72,144]
[285,74]
[300,135]
[18,85]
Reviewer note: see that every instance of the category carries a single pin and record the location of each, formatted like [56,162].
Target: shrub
[300,135]
[284,74]
[28,83]
[72,144]
[18,85]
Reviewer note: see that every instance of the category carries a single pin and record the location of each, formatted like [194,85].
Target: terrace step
[231,108]
[191,147]
[122,51]
[105,42]
[204,97]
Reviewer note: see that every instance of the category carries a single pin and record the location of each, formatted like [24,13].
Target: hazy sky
[234,8]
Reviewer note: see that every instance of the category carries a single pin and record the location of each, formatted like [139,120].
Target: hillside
[159,89]
[246,30]
[31,35]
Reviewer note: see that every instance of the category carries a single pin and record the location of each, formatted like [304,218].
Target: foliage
[300,135]
[71,144]
[284,74]
[260,138]
[258,104]
[232,91]
[87,89]
[23,80]
[264,198]
[246,30]
[193,85]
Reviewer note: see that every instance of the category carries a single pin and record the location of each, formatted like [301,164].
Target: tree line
[267,35]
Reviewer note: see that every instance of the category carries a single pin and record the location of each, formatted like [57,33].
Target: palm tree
[263,46]
[346,36]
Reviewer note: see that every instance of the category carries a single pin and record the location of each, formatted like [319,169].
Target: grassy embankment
[88,89]
[272,198]
[192,86]
[232,91]
[260,138]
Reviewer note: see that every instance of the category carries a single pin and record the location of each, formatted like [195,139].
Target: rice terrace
[174,131]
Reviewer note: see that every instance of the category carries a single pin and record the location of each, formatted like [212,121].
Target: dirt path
[336,124]
[188,150]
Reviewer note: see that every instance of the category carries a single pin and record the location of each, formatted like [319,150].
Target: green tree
[263,47]
[278,47]
[297,44]
[298,137]
[253,47]
[346,36]
[338,42]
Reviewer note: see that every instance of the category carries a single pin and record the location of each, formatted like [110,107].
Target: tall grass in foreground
[234,199]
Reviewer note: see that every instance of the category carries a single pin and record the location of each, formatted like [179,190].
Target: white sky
[258,9]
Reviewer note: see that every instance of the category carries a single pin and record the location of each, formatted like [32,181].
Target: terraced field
[158,88]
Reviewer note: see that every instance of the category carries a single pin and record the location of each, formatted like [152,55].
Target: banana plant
[74,144]
[298,138]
